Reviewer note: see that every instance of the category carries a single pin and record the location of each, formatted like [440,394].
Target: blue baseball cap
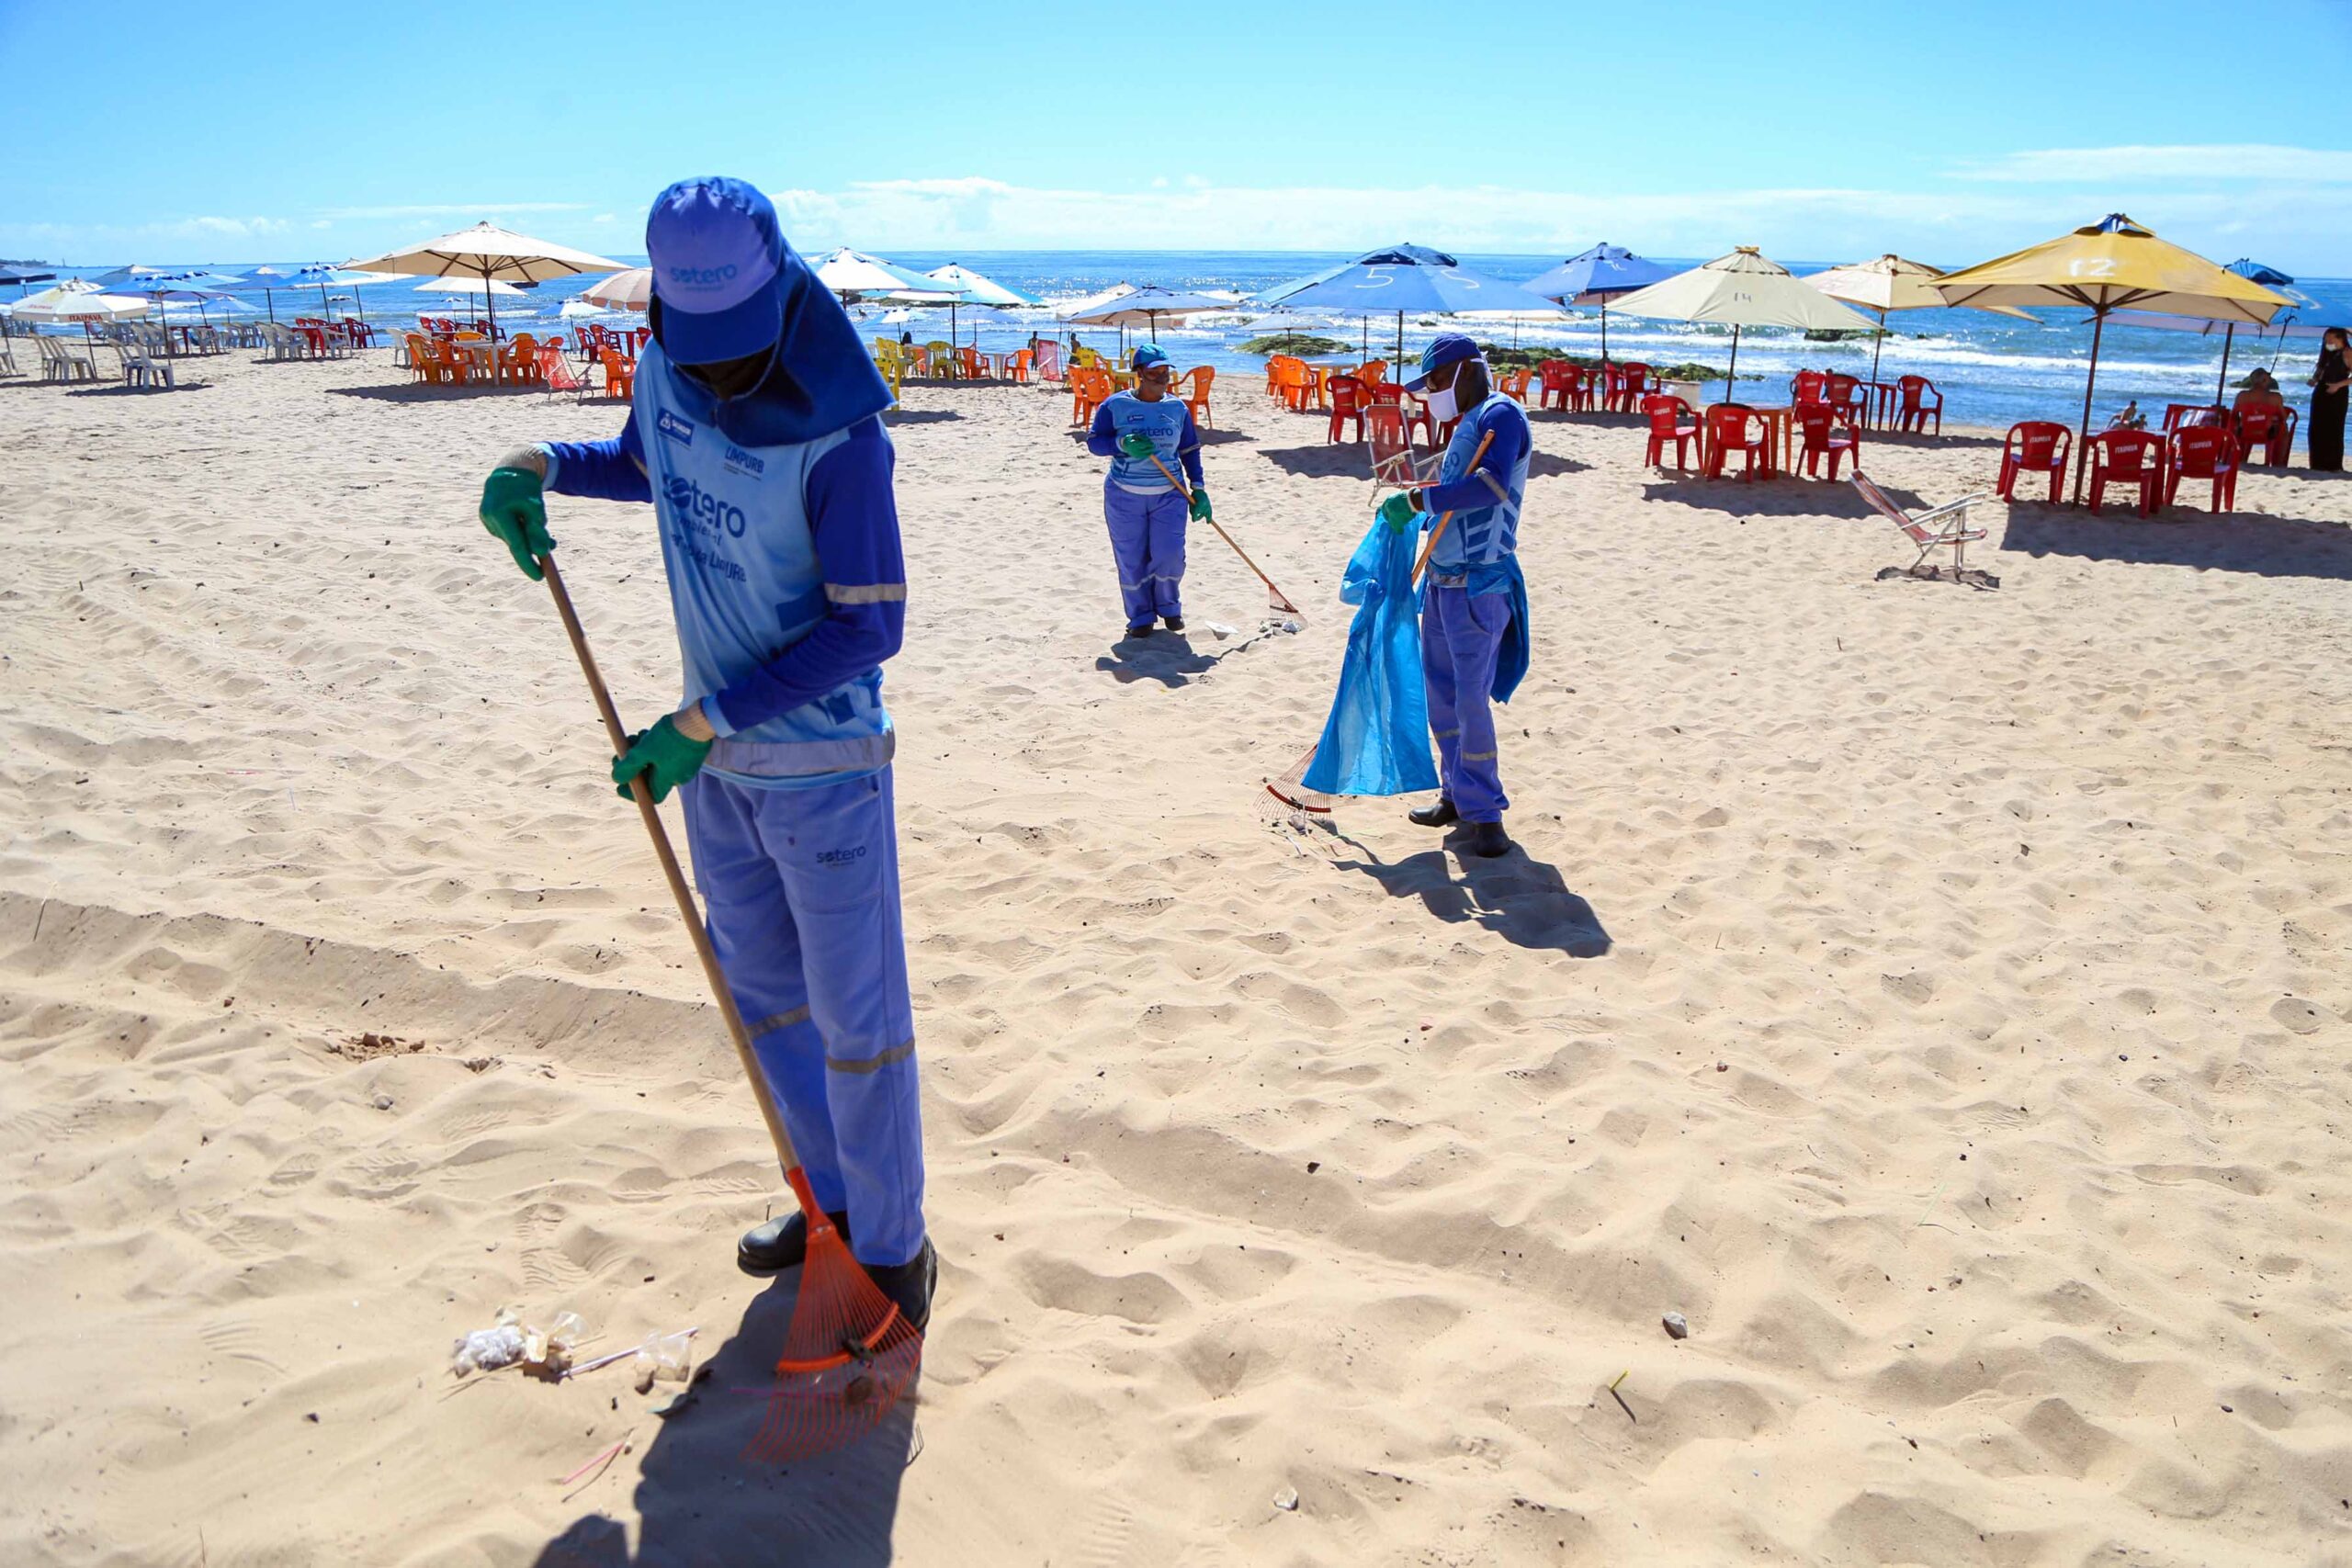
[1452,348]
[1151,354]
[717,255]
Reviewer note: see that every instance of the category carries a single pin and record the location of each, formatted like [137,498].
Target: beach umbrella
[1402,278]
[479,287]
[321,275]
[859,279]
[630,291]
[201,289]
[1141,306]
[21,278]
[2103,267]
[1891,282]
[1743,288]
[77,301]
[491,254]
[1595,278]
[2283,330]
[977,290]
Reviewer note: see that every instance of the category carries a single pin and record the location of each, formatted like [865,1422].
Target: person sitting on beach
[1143,433]
[2129,418]
[2261,391]
[1473,616]
[755,433]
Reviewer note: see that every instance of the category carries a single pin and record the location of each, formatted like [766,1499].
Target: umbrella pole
[2227,339]
[1731,377]
[1876,343]
[1604,338]
[1400,338]
[2083,441]
[491,300]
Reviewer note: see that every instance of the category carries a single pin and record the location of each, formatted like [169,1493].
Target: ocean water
[1993,370]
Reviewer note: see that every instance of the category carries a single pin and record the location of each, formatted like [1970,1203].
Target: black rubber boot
[780,1244]
[1442,815]
[911,1285]
[1488,841]
[1143,630]
[1174,623]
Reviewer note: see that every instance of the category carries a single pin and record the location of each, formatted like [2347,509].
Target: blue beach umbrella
[1595,278]
[321,275]
[1402,278]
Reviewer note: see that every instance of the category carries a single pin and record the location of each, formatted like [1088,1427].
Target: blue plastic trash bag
[1377,740]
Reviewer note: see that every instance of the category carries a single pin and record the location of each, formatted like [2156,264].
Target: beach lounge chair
[1390,442]
[2034,446]
[1197,400]
[141,369]
[1734,427]
[2204,452]
[2134,458]
[1670,419]
[1048,361]
[1921,402]
[1934,529]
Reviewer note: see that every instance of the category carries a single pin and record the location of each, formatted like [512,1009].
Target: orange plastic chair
[423,364]
[1016,367]
[1512,384]
[1089,388]
[620,376]
[1827,434]
[518,361]
[1728,427]
[1669,421]
[457,364]
[2204,452]
[1296,389]
[1374,372]
[968,361]
[1197,400]
[2134,457]
[2034,446]
[1275,376]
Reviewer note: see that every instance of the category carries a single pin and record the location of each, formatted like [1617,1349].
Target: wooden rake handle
[687,912]
[1423,565]
[1185,489]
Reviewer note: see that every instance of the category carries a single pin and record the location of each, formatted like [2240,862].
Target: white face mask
[1441,405]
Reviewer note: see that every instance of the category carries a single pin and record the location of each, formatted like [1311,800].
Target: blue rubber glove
[666,758]
[1201,512]
[1135,443]
[1398,513]
[513,509]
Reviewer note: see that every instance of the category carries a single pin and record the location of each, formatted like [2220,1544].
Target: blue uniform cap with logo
[1452,348]
[1151,354]
[719,264]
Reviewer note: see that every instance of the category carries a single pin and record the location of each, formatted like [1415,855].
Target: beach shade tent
[2107,266]
[1403,278]
[1743,289]
[978,291]
[23,279]
[1891,282]
[75,299]
[630,291]
[1596,276]
[492,255]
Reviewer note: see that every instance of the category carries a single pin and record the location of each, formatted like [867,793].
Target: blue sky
[1950,132]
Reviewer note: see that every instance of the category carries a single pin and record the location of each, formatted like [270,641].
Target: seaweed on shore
[1294,342]
[1534,355]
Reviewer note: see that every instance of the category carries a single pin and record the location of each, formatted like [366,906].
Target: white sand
[1938,996]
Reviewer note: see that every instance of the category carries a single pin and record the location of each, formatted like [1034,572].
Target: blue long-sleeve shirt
[1168,423]
[854,519]
[1490,482]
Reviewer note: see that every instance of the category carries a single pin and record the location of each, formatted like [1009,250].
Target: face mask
[1441,405]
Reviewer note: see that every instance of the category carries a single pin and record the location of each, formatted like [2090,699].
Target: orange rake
[1296,777]
[849,1353]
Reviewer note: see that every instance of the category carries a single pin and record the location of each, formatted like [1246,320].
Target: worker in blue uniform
[1475,641]
[1145,513]
[754,432]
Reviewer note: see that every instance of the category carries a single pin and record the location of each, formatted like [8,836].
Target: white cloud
[2237,164]
[439,208]
[321,224]
[605,217]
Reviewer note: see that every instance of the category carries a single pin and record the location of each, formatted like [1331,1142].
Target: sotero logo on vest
[702,277]
[841,857]
[696,505]
[678,430]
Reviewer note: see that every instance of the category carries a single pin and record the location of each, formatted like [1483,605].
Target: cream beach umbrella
[977,290]
[1891,282]
[858,278]
[1744,289]
[491,254]
[2110,266]
[630,291]
[76,301]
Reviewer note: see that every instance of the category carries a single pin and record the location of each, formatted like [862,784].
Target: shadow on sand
[1346,459]
[2233,541]
[1166,657]
[700,1501]
[1523,900]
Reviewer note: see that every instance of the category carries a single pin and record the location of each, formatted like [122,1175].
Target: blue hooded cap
[726,286]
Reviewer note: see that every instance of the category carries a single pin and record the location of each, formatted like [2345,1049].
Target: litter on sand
[511,1342]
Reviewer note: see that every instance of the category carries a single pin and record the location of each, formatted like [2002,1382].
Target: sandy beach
[1939,996]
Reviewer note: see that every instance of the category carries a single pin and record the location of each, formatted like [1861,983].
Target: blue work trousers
[1461,634]
[1148,542]
[801,891]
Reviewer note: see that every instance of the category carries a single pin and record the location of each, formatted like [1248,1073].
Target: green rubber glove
[1135,443]
[1201,512]
[666,758]
[1398,513]
[513,509]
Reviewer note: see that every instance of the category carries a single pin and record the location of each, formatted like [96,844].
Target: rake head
[849,1354]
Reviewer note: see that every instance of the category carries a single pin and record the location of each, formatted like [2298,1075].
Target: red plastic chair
[1558,387]
[1917,410]
[2127,458]
[2204,452]
[1669,421]
[2035,447]
[1734,427]
[1347,403]
[1416,411]
[1845,394]
[1628,383]
[1390,446]
[2271,427]
[1824,434]
[2180,416]
[1807,386]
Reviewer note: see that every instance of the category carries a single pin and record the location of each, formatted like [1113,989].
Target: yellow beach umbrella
[1891,282]
[2110,266]
[1745,288]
